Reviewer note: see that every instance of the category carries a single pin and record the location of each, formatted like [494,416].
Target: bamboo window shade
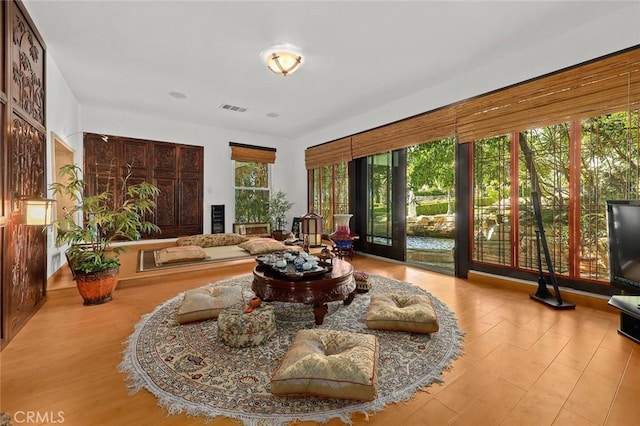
[599,87]
[250,153]
[430,126]
[338,151]
[595,88]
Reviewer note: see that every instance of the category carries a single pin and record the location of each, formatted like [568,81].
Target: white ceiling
[357,55]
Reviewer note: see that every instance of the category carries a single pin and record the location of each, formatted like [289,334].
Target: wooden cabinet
[176,169]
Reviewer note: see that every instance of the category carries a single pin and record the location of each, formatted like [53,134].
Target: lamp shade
[283,62]
[38,211]
[312,229]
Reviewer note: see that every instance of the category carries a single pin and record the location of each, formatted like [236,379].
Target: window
[379,199]
[251,191]
[580,165]
[330,192]
[491,200]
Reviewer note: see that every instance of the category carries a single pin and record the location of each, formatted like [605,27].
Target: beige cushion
[212,240]
[262,245]
[179,254]
[207,302]
[403,312]
[329,363]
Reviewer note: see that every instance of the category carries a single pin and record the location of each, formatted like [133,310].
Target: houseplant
[94,222]
[278,208]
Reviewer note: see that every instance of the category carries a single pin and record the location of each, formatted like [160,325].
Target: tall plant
[278,208]
[90,237]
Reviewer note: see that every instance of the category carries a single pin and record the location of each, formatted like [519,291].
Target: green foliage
[278,208]
[431,164]
[429,209]
[91,238]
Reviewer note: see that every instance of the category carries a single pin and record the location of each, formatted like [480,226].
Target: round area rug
[189,370]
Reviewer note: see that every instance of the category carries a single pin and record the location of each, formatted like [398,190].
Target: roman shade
[595,88]
[338,151]
[248,153]
[430,126]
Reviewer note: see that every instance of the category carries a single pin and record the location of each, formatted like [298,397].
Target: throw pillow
[207,302]
[179,254]
[262,245]
[212,240]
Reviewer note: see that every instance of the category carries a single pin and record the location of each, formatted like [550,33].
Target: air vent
[233,108]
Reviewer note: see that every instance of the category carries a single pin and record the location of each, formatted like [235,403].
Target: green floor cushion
[239,329]
[329,363]
[402,312]
[207,302]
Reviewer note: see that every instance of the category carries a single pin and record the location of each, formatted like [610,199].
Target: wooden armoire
[23,270]
[176,169]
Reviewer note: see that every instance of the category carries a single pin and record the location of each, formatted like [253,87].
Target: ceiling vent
[233,108]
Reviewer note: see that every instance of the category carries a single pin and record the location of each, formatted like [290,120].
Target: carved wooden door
[175,169]
[24,270]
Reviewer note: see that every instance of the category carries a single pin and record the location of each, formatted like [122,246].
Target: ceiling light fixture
[282,59]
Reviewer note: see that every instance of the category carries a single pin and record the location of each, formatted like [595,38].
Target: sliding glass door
[383,178]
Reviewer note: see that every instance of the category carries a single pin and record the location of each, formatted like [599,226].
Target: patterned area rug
[189,371]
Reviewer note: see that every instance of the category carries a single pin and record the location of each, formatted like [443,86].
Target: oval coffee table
[338,284]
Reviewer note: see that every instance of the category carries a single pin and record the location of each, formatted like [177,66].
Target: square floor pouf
[329,363]
[240,330]
[402,312]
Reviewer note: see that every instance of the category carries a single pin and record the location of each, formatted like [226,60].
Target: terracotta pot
[97,288]
[254,303]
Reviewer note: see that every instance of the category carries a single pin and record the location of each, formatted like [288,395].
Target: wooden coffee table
[338,284]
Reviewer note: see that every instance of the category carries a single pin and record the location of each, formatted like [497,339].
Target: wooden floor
[524,363]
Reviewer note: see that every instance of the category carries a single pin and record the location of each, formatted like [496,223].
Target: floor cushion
[179,254]
[402,312]
[363,281]
[329,363]
[207,302]
[240,330]
[257,246]
[212,240]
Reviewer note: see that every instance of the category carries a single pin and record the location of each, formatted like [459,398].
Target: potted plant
[93,260]
[278,208]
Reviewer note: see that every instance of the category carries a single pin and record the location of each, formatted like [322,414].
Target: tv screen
[623,221]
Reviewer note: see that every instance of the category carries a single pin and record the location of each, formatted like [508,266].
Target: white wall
[63,118]
[287,172]
[611,33]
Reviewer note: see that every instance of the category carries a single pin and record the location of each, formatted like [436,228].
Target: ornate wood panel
[175,169]
[24,266]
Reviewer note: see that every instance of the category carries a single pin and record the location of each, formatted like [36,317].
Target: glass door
[383,230]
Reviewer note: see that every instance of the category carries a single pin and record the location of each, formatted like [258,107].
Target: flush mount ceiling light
[282,59]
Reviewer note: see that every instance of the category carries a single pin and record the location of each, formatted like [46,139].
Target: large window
[492,200]
[579,165]
[252,191]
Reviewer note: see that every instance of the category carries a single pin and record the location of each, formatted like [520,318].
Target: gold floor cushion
[207,302]
[262,245]
[179,254]
[329,363]
[402,312]
[212,240]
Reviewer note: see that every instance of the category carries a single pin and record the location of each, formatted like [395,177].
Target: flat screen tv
[623,225]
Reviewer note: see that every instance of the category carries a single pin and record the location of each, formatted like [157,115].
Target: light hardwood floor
[523,363]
